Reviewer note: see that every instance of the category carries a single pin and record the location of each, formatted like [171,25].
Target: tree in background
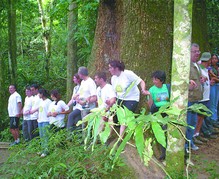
[71,47]
[12,56]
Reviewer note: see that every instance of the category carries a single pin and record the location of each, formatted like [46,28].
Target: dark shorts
[131,105]
[14,122]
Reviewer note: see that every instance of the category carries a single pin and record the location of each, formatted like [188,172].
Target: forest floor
[206,162]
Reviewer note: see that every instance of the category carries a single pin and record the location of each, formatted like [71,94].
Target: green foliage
[137,126]
[65,160]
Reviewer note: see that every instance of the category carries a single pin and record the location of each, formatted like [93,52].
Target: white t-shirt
[75,91]
[87,89]
[59,107]
[122,83]
[104,94]
[27,107]
[206,85]
[43,110]
[13,108]
[35,105]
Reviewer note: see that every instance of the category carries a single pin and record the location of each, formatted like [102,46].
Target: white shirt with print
[43,110]
[59,107]
[122,83]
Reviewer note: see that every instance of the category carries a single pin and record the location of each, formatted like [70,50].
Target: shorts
[131,105]
[14,122]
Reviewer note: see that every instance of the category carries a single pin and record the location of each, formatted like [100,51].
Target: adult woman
[214,74]
[125,84]
[57,111]
[43,121]
[75,94]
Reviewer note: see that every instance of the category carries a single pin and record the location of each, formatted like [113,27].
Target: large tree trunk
[137,32]
[72,47]
[12,61]
[179,83]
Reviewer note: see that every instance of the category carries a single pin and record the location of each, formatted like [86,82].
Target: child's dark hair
[101,75]
[56,94]
[35,86]
[116,63]
[161,75]
[43,92]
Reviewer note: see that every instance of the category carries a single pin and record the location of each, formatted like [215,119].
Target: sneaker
[194,147]
[187,151]
[13,144]
[39,153]
[196,141]
[43,155]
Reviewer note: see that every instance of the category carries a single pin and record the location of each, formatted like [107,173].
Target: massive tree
[137,32]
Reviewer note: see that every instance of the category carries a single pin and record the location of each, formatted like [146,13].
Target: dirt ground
[206,161]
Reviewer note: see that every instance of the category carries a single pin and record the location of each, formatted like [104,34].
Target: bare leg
[199,124]
[122,129]
[15,133]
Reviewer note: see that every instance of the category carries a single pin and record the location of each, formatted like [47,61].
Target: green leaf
[139,139]
[96,127]
[105,134]
[159,133]
[148,152]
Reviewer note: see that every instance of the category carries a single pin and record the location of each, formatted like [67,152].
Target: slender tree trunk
[46,34]
[12,61]
[179,82]
[71,47]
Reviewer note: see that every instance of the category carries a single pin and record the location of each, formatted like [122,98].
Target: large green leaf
[139,139]
[95,131]
[159,133]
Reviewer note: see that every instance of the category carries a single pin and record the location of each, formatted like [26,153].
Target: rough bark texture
[199,25]
[12,61]
[179,82]
[72,48]
[137,32]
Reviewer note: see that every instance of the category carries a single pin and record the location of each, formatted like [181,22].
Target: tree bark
[71,47]
[199,25]
[12,61]
[179,83]
[137,32]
